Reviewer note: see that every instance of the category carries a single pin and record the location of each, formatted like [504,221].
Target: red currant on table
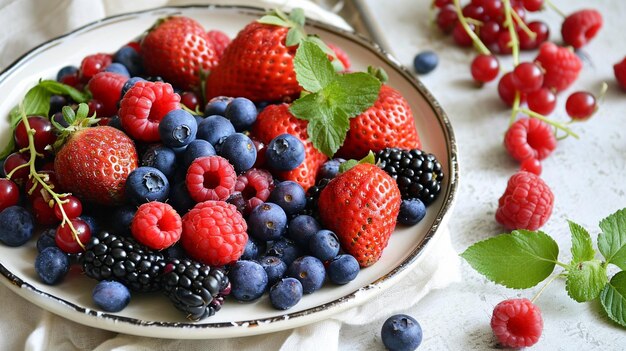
[542,32]
[44,135]
[73,208]
[542,101]
[9,193]
[460,36]
[493,8]
[619,69]
[580,105]
[64,237]
[527,77]
[15,160]
[447,18]
[504,43]
[506,89]
[489,32]
[532,5]
[49,177]
[485,68]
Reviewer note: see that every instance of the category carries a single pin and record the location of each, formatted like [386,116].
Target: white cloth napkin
[26,326]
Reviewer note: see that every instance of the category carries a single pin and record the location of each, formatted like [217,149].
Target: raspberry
[210,178]
[620,73]
[517,323]
[143,107]
[156,225]
[106,87]
[580,27]
[561,66]
[214,233]
[220,41]
[526,203]
[93,64]
[529,138]
[255,186]
[341,55]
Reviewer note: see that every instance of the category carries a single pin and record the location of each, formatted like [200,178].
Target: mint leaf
[355,92]
[37,101]
[297,16]
[313,70]
[612,240]
[613,298]
[369,158]
[57,88]
[518,260]
[586,280]
[294,36]
[582,249]
[337,65]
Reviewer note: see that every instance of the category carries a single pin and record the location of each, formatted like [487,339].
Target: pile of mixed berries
[133,177]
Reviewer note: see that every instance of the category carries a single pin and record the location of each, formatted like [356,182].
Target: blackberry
[112,257]
[312,195]
[418,174]
[194,288]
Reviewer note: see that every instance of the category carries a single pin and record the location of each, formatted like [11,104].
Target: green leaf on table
[582,248]
[613,298]
[612,240]
[519,260]
[585,280]
[313,69]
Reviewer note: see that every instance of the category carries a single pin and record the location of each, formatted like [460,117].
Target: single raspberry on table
[517,323]
[526,203]
[214,233]
[156,225]
[210,178]
[144,106]
[580,27]
[620,73]
[561,66]
[255,187]
[93,64]
[529,138]
[106,87]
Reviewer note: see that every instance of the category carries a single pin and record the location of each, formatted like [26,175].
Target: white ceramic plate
[152,314]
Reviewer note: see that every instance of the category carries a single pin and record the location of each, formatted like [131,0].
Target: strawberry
[388,123]
[361,206]
[178,49]
[275,120]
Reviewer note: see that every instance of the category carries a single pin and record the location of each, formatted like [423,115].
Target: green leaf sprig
[522,259]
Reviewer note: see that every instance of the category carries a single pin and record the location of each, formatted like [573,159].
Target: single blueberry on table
[309,271]
[130,58]
[425,62]
[52,265]
[217,106]
[239,150]
[343,269]
[267,222]
[195,149]
[401,333]
[248,280]
[178,128]
[412,211]
[117,68]
[66,71]
[302,228]
[16,226]
[242,113]
[274,267]
[324,245]
[146,184]
[286,293]
[214,128]
[160,157]
[285,249]
[285,152]
[290,196]
[111,296]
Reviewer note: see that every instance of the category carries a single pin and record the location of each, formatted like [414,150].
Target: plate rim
[260,326]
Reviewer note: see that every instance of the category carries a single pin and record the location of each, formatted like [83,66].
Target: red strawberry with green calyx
[361,206]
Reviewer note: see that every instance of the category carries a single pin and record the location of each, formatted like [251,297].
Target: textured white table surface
[586,176]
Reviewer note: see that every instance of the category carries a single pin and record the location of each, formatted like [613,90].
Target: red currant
[474,11]
[73,208]
[506,89]
[485,68]
[64,237]
[44,134]
[190,100]
[489,32]
[580,105]
[447,18]
[494,9]
[542,101]
[15,160]
[542,32]
[260,152]
[527,77]
[504,43]
[72,80]
[43,212]
[48,176]
[532,5]
[9,193]
[441,3]
[531,165]
[95,107]
[460,36]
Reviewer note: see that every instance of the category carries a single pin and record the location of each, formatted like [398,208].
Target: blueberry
[146,184]
[114,122]
[160,157]
[412,211]
[111,296]
[195,149]
[176,251]
[66,71]
[248,280]
[52,265]
[324,245]
[302,228]
[290,196]
[330,168]
[401,333]
[285,152]
[309,271]
[178,128]
[242,113]
[284,249]
[239,150]
[274,267]
[252,250]
[16,226]
[121,220]
[130,58]
[217,106]
[267,222]
[213,128]
[343,269]
[198,119]
[91,222]
[286,293]
[117,68]
[56,104]
[180,199]
[129,84]
[425,62]
[236,199]
[46,239]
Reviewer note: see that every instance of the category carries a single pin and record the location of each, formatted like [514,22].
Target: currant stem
[523,25]
[508,23]
[549,121]
[544,287]
[555,8]
[516,102]
[478,44]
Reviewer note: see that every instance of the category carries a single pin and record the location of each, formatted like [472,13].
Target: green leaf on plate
[582,248]
[585,280]
[613,298]
[612,240]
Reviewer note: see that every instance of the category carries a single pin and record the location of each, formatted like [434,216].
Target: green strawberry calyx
[76,121]
[349,164]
